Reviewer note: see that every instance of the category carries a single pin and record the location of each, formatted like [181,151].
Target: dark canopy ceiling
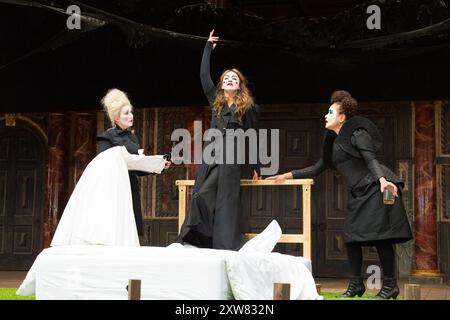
[152,50]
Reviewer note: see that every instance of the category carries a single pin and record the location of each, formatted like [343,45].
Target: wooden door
[21,195]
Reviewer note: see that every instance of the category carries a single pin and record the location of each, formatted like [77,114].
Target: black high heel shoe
[389,290]
[355,288]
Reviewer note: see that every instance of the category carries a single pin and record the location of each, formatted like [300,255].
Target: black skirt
[369,219]
[214,219]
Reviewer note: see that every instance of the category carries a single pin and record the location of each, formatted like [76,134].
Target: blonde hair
[243,99]
[113,102]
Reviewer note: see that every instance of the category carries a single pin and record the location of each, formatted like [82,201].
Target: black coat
[214,219]
[114,137]
[226,120]
[353,153]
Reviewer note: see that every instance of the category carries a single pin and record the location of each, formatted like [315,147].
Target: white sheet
[264,241]
[100,209]
[175,272]
[102,272]
[252,276]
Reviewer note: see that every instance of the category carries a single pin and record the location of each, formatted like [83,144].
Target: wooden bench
[305,191]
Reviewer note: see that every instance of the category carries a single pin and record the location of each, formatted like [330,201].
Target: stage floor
[13,279]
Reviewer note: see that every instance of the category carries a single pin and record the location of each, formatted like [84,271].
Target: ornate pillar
[425,213]
[85,144]
[56,186]
[191,115]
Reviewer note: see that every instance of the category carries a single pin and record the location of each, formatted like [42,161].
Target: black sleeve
[310,172]
[363,142]
[205,75]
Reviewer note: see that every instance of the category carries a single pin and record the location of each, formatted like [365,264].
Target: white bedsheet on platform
[174,272]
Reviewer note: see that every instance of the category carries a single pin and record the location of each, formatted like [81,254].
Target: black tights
[385,251]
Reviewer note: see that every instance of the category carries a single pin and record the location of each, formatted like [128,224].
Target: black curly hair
[349,106]
[339,95]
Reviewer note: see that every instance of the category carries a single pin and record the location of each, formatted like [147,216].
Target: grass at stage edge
[334,296]
[10,294]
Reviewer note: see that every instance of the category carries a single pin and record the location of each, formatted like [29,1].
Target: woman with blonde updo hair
[214,219]
[120,112]
[113,102]
[104,207]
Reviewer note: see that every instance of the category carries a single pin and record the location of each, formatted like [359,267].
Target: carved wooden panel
[144,125]
[335,245]
[293,201]
[2,240]
[258,202]
[403,132]
[297,143]
[169,119]
[338,196]
[445,126]
[3,191]
[21,196]
[25,150]
[386,127]
[25,190]
[4,149]
[446,191]
[161,232]
[405,251]
[444,241]
[84,143]
[23,239]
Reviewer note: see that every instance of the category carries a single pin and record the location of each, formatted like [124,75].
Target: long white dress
[100,209]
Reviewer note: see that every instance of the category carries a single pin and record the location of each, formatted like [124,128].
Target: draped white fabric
[100,209]
[176,272]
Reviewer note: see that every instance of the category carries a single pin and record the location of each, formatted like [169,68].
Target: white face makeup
[331,118]
[230,81]
[125,118]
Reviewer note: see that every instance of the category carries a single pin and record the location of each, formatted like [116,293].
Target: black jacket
[353,153]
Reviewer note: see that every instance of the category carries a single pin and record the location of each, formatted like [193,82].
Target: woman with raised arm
[350,146]
[214,219]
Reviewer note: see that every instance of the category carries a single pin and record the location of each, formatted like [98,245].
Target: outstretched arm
[308,172]
[205,74]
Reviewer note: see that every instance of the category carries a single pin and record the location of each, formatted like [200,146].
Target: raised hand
[255,176]
[213,39]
